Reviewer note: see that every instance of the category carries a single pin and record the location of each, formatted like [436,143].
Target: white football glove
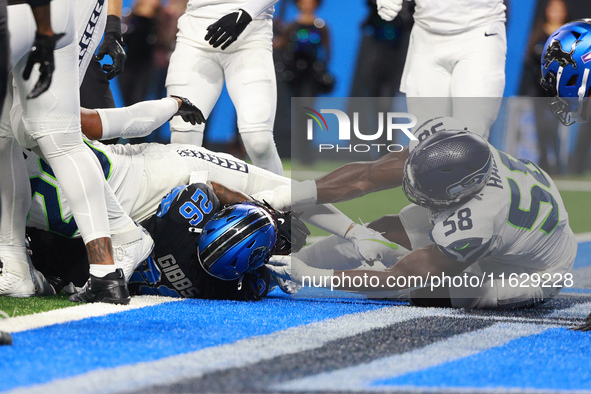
[371,245]
[289,271]
[279,198]
[388,9]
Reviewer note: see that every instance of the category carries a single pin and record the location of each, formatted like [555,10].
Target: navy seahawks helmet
[447,168]
[566,62]
[236,240]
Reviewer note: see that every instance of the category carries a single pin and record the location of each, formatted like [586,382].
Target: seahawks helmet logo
[555,52]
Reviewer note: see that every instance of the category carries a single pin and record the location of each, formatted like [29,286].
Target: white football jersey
[457,16]
[49,209]
[215,9]
[518,219]
[140,176]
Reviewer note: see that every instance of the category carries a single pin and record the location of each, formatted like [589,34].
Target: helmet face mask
[565,68]
[447,169]
[238,239]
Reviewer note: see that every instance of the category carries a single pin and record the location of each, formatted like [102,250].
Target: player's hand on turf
[227,29]
[189,112]
[371,245]
[287,271]
[585,326]
[388,9]
[112,45]
[42,54]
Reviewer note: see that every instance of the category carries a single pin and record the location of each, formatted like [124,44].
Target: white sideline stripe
[583,237]
[64,315]
[459,346]
[573,186]
[241,353]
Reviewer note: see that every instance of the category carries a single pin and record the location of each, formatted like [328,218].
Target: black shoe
[111,289]
[5,338]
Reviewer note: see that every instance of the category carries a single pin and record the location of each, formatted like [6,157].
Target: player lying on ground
[208,244]
[565,76]
[141,175]
[489,217]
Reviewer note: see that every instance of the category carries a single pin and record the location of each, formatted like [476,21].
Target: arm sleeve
[256,7]
[137,120]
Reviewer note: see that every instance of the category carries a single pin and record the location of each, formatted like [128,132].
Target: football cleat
[5,338]
[16,281]
[131,248]
[111,289]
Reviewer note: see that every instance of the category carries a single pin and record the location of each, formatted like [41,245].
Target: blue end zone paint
[151,333]
[583,255]
[556,359]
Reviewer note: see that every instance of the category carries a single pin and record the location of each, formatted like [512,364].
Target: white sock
[101,270]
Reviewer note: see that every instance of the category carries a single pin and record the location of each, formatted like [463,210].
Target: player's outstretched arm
[425,263]
[137,120]
[350,181]
[357,179]
[228,195]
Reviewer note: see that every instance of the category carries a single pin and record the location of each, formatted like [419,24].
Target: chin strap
[582,93]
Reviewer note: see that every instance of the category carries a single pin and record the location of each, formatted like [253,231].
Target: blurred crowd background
[337,48]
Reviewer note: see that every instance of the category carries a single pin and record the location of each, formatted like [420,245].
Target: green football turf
[26,306]
[375,205]
[367,208]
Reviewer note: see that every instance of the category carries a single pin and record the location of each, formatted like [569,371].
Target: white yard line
[459,346]
[57,316]
[241,353]
[573,186]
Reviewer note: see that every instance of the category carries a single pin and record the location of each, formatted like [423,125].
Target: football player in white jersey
[457,51]
[140,175]
[52,124]
[228,41]
[487,215]
[565,75]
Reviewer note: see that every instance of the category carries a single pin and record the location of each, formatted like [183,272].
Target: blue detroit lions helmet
[565,63]
[236,240]
[447,168]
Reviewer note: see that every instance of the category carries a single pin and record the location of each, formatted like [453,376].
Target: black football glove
[585,326]
[189,112]
[227,29]
[112,45]
[41,53]
[291,231]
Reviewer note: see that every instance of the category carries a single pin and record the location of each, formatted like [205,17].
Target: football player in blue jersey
[566,64]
